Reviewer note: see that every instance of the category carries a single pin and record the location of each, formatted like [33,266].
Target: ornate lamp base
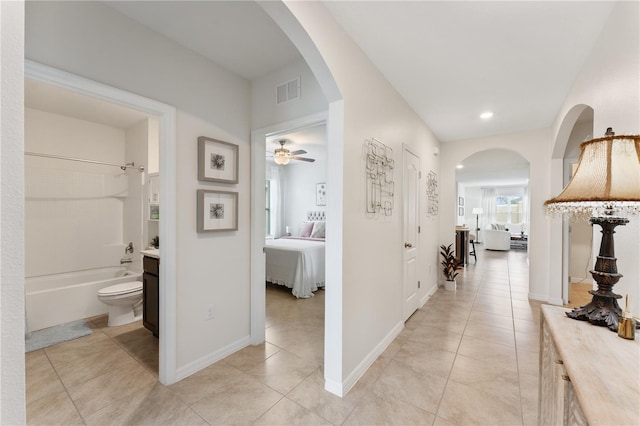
[603,309]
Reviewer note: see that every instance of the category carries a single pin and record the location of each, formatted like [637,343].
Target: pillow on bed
[307,228]
[318,230]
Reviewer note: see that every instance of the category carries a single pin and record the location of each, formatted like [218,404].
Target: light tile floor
[466,357]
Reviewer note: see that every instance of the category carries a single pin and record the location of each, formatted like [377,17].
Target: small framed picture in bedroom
[217,211]
[321,194]
[217,160]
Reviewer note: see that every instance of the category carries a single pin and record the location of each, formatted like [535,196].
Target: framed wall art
[217,160]
[461,201]
[321,194]
[217,211]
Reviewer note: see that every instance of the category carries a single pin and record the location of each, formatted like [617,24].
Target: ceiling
[238,35]
[450,60]
[312,139]
[56,100]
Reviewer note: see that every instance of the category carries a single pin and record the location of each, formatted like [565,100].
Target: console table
[588,375]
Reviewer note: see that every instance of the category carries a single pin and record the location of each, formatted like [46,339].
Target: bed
[297,263]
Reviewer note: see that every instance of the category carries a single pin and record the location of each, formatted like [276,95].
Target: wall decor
[461,201]
[432,194]
[321,194]
[379,177]
[217,160]
[460,211]
[217,210]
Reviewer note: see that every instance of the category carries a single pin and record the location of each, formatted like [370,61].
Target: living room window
[509,209]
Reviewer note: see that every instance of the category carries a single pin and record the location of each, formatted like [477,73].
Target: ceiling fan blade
[308,160]
[298,152]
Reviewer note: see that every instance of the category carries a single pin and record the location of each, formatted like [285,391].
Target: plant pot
[450,285]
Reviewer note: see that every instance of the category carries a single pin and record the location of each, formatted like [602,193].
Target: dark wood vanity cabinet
[151,294]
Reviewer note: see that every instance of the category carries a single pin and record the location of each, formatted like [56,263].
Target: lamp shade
[607,177]
[476,210]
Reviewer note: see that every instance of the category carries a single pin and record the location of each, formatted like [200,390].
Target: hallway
[466,357]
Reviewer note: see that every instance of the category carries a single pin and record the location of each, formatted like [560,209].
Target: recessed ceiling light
[486,115]
[459,166]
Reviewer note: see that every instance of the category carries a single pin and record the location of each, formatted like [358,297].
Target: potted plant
[450,266]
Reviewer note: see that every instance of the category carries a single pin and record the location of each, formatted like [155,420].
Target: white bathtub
[61,298]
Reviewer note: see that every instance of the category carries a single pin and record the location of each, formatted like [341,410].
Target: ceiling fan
[282,155]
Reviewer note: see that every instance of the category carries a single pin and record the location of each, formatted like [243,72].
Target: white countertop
[155,253]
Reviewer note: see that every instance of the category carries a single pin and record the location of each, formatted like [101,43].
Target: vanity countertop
[155,253]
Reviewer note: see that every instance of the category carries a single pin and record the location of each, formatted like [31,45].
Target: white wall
[609,83]
[371,248]
[12,327]
[134,221]
[473,199]
[80,38]
[73,211]
[300,181]
[265,111]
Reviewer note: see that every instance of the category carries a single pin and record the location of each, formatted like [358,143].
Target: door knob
[408,245]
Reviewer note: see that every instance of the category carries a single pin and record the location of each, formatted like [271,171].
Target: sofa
[495,239]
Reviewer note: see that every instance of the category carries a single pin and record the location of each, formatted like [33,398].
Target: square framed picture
[217,160]
[217,211]
[321,194]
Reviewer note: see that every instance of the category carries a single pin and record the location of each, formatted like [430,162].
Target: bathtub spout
[125,260]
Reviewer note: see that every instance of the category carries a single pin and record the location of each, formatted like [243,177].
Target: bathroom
[85,221]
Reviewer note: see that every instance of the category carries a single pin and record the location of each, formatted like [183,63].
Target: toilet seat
[120,289]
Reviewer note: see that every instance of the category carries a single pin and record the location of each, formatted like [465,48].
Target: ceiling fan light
[281,159]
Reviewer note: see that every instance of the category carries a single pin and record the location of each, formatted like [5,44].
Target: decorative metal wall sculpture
[432,194]
[379,176]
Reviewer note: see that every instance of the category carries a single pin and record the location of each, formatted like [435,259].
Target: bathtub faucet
[129,248]
[125,260]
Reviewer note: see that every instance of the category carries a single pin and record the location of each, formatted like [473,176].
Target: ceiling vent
[288,91]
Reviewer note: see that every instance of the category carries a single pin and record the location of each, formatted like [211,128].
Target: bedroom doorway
[289,223]
[292,328]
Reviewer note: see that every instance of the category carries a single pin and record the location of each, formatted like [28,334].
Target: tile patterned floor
[466,357]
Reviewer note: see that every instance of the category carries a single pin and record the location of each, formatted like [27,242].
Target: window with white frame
[509,209]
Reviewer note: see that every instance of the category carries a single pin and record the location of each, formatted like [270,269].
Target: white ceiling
[237,35]
[312,139]
[56,100]
[451,60]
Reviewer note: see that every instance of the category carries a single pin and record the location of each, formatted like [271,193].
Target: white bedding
[297,264]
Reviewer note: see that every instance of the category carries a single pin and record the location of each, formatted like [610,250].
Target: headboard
[315,216]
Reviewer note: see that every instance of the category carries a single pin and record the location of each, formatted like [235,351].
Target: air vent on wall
[288,91]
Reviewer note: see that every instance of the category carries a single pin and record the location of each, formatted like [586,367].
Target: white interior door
[411,167]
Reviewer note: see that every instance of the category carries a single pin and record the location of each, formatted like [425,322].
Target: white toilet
[124,300]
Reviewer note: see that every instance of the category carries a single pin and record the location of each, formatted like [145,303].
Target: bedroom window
[509,209]
[267,196]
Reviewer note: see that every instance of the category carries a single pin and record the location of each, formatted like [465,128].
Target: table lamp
[606,182]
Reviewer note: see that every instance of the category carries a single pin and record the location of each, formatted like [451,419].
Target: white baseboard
[207,360]
[362,368]
[430,292]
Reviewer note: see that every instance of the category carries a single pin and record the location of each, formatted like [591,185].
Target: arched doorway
[494,184]
[576,237]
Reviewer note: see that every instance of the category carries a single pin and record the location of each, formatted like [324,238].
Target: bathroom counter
[155,253]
